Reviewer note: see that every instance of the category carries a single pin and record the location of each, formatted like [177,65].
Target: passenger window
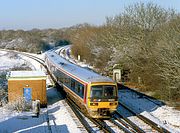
[72,84]
[78,88]
[67,81]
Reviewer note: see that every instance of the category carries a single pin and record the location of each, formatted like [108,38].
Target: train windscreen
[104,92]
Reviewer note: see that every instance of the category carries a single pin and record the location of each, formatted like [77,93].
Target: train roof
[77,71]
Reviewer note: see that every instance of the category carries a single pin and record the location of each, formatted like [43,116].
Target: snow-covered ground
[60,119]
[12,121]
[9,61]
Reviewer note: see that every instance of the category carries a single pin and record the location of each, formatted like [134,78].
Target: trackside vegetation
[144,40]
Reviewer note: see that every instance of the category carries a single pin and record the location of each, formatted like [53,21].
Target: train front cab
[102,99]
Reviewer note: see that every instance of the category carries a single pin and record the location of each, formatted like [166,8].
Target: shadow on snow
[53,95]
[29,124]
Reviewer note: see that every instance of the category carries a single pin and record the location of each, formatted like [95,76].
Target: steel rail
[128,124]
[146,120]
[102,125]
[78,114]
[99,122]
[122,127]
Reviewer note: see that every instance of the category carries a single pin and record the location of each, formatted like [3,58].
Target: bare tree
[168,59]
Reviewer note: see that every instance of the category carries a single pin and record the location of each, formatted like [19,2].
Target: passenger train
[95,94]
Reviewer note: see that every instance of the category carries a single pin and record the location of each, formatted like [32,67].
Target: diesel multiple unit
[95,94]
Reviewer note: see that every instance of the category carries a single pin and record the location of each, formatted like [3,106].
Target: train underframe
[101,112]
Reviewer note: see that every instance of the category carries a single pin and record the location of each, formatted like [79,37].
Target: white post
[79,57]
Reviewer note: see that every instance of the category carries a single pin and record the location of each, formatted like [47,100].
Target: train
[95,94]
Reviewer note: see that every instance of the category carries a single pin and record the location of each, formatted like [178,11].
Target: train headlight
[112,104]
[94,104]
[96,100]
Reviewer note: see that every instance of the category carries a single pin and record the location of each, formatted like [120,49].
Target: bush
[19,105]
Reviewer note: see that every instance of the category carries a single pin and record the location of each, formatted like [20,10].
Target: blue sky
[43,14]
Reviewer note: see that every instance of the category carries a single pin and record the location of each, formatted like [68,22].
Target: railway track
[85,119]
[120,125]
[41,61]
[79,115]
[147,122]
[100,124]
[127,123]
[107,126]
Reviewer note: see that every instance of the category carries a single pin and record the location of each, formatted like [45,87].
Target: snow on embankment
[10,60]
[163,115]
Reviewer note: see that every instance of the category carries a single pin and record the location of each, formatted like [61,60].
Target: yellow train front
[102,99]
[95,94]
